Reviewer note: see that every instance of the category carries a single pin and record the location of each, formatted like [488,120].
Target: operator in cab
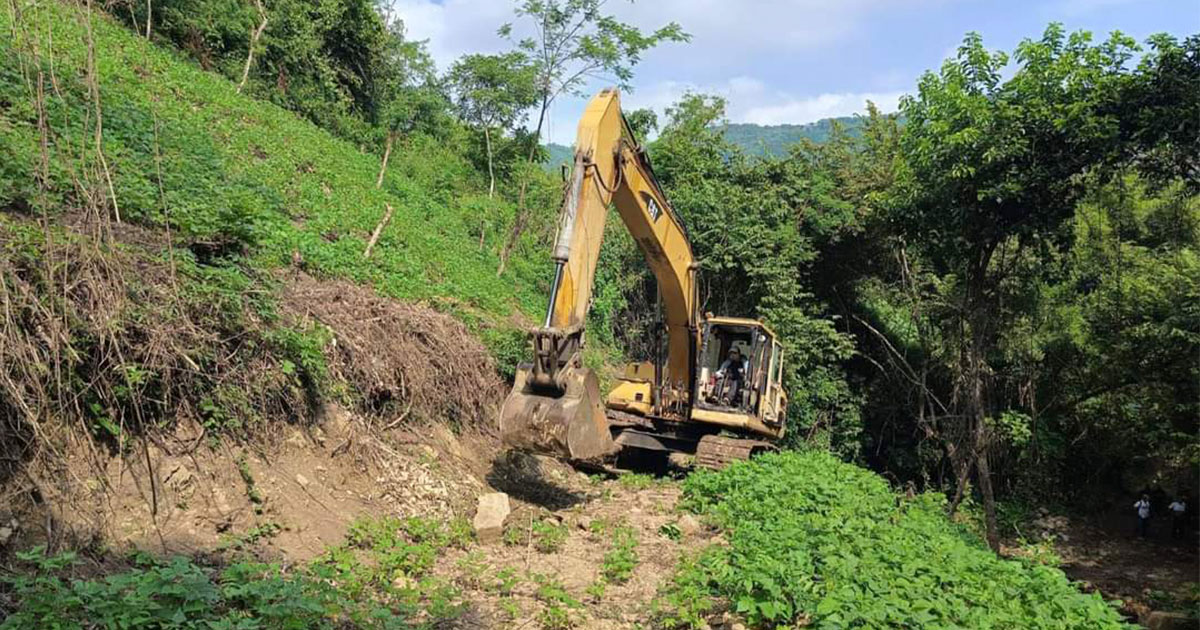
[735,368]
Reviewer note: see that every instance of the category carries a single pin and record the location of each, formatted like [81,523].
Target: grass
[233,176]
[815,540]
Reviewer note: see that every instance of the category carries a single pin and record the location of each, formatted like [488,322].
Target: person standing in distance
[1143,514]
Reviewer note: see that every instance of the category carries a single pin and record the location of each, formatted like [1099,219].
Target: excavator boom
[556,405]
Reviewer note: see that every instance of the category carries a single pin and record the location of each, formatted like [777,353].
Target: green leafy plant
[636,481]
[250,538]
[549,535]
[622,557]
[506,581]
[813,538]
[557,603]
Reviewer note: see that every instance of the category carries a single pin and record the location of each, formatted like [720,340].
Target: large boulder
[490,515]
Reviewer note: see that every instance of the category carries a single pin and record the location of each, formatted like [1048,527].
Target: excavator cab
[756,401]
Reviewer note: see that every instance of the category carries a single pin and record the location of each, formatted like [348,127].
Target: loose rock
[8,531]
[688,525]
[490,516]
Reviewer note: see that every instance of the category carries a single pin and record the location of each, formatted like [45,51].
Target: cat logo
[652,207]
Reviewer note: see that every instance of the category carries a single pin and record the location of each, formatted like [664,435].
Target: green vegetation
[549,535]
[1000,295]
[238,174]
[557,612]
[377,579]
[778,140]
[996,296]
[815,539]
[621,558]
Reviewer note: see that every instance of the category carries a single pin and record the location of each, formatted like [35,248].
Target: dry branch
[254,35]
[387,216]
[387,152]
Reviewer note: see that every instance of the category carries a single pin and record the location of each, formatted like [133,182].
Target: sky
[794,61]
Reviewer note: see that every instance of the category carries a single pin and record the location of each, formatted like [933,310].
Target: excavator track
[716,452]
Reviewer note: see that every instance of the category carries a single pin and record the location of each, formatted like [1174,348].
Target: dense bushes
[811,538]
[328,60]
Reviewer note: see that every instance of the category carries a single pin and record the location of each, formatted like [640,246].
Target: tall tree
[991,173]
[493,92]
[573,42]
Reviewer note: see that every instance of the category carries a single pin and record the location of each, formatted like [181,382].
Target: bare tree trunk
[254,35]
[149,12]
[487,140]
[962,473]
[387,216]
[387,152]
[519,220]
[981,436]
[992,528]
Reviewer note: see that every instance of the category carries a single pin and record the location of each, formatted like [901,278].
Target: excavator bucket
[568,423]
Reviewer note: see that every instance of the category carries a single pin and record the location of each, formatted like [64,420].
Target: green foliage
[622,557]
[757,227]
[256,534]
[636,481]
[777,140]
[493,91]
[178,593]
[549,535]
[558,604]
[245,183]
[576,41]
[1028,210]
[814,538]
[335,62]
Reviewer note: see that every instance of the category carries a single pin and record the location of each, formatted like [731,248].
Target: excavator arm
[556,404]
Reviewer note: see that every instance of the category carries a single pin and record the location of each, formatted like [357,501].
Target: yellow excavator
[714,392]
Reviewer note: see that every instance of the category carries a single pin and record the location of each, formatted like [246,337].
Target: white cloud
[455,27]
[723,32]
[748,100]
[730,40]
[813,108]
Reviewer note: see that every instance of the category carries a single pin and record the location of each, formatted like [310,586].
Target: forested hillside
[266,272]
[775,140]
[754,140]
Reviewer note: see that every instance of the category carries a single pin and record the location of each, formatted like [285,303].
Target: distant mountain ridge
[775,139]
[758,140]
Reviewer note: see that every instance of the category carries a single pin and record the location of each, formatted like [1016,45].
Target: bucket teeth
[569,424]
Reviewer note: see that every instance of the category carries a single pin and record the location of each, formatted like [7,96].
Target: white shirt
[725,366]
[1178,507]
[1143,508]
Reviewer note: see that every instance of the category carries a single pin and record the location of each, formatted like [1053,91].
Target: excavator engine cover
[568,423]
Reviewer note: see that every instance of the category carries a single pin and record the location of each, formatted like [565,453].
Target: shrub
[549,536]
[622,557]
[178,593]
[811,537]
